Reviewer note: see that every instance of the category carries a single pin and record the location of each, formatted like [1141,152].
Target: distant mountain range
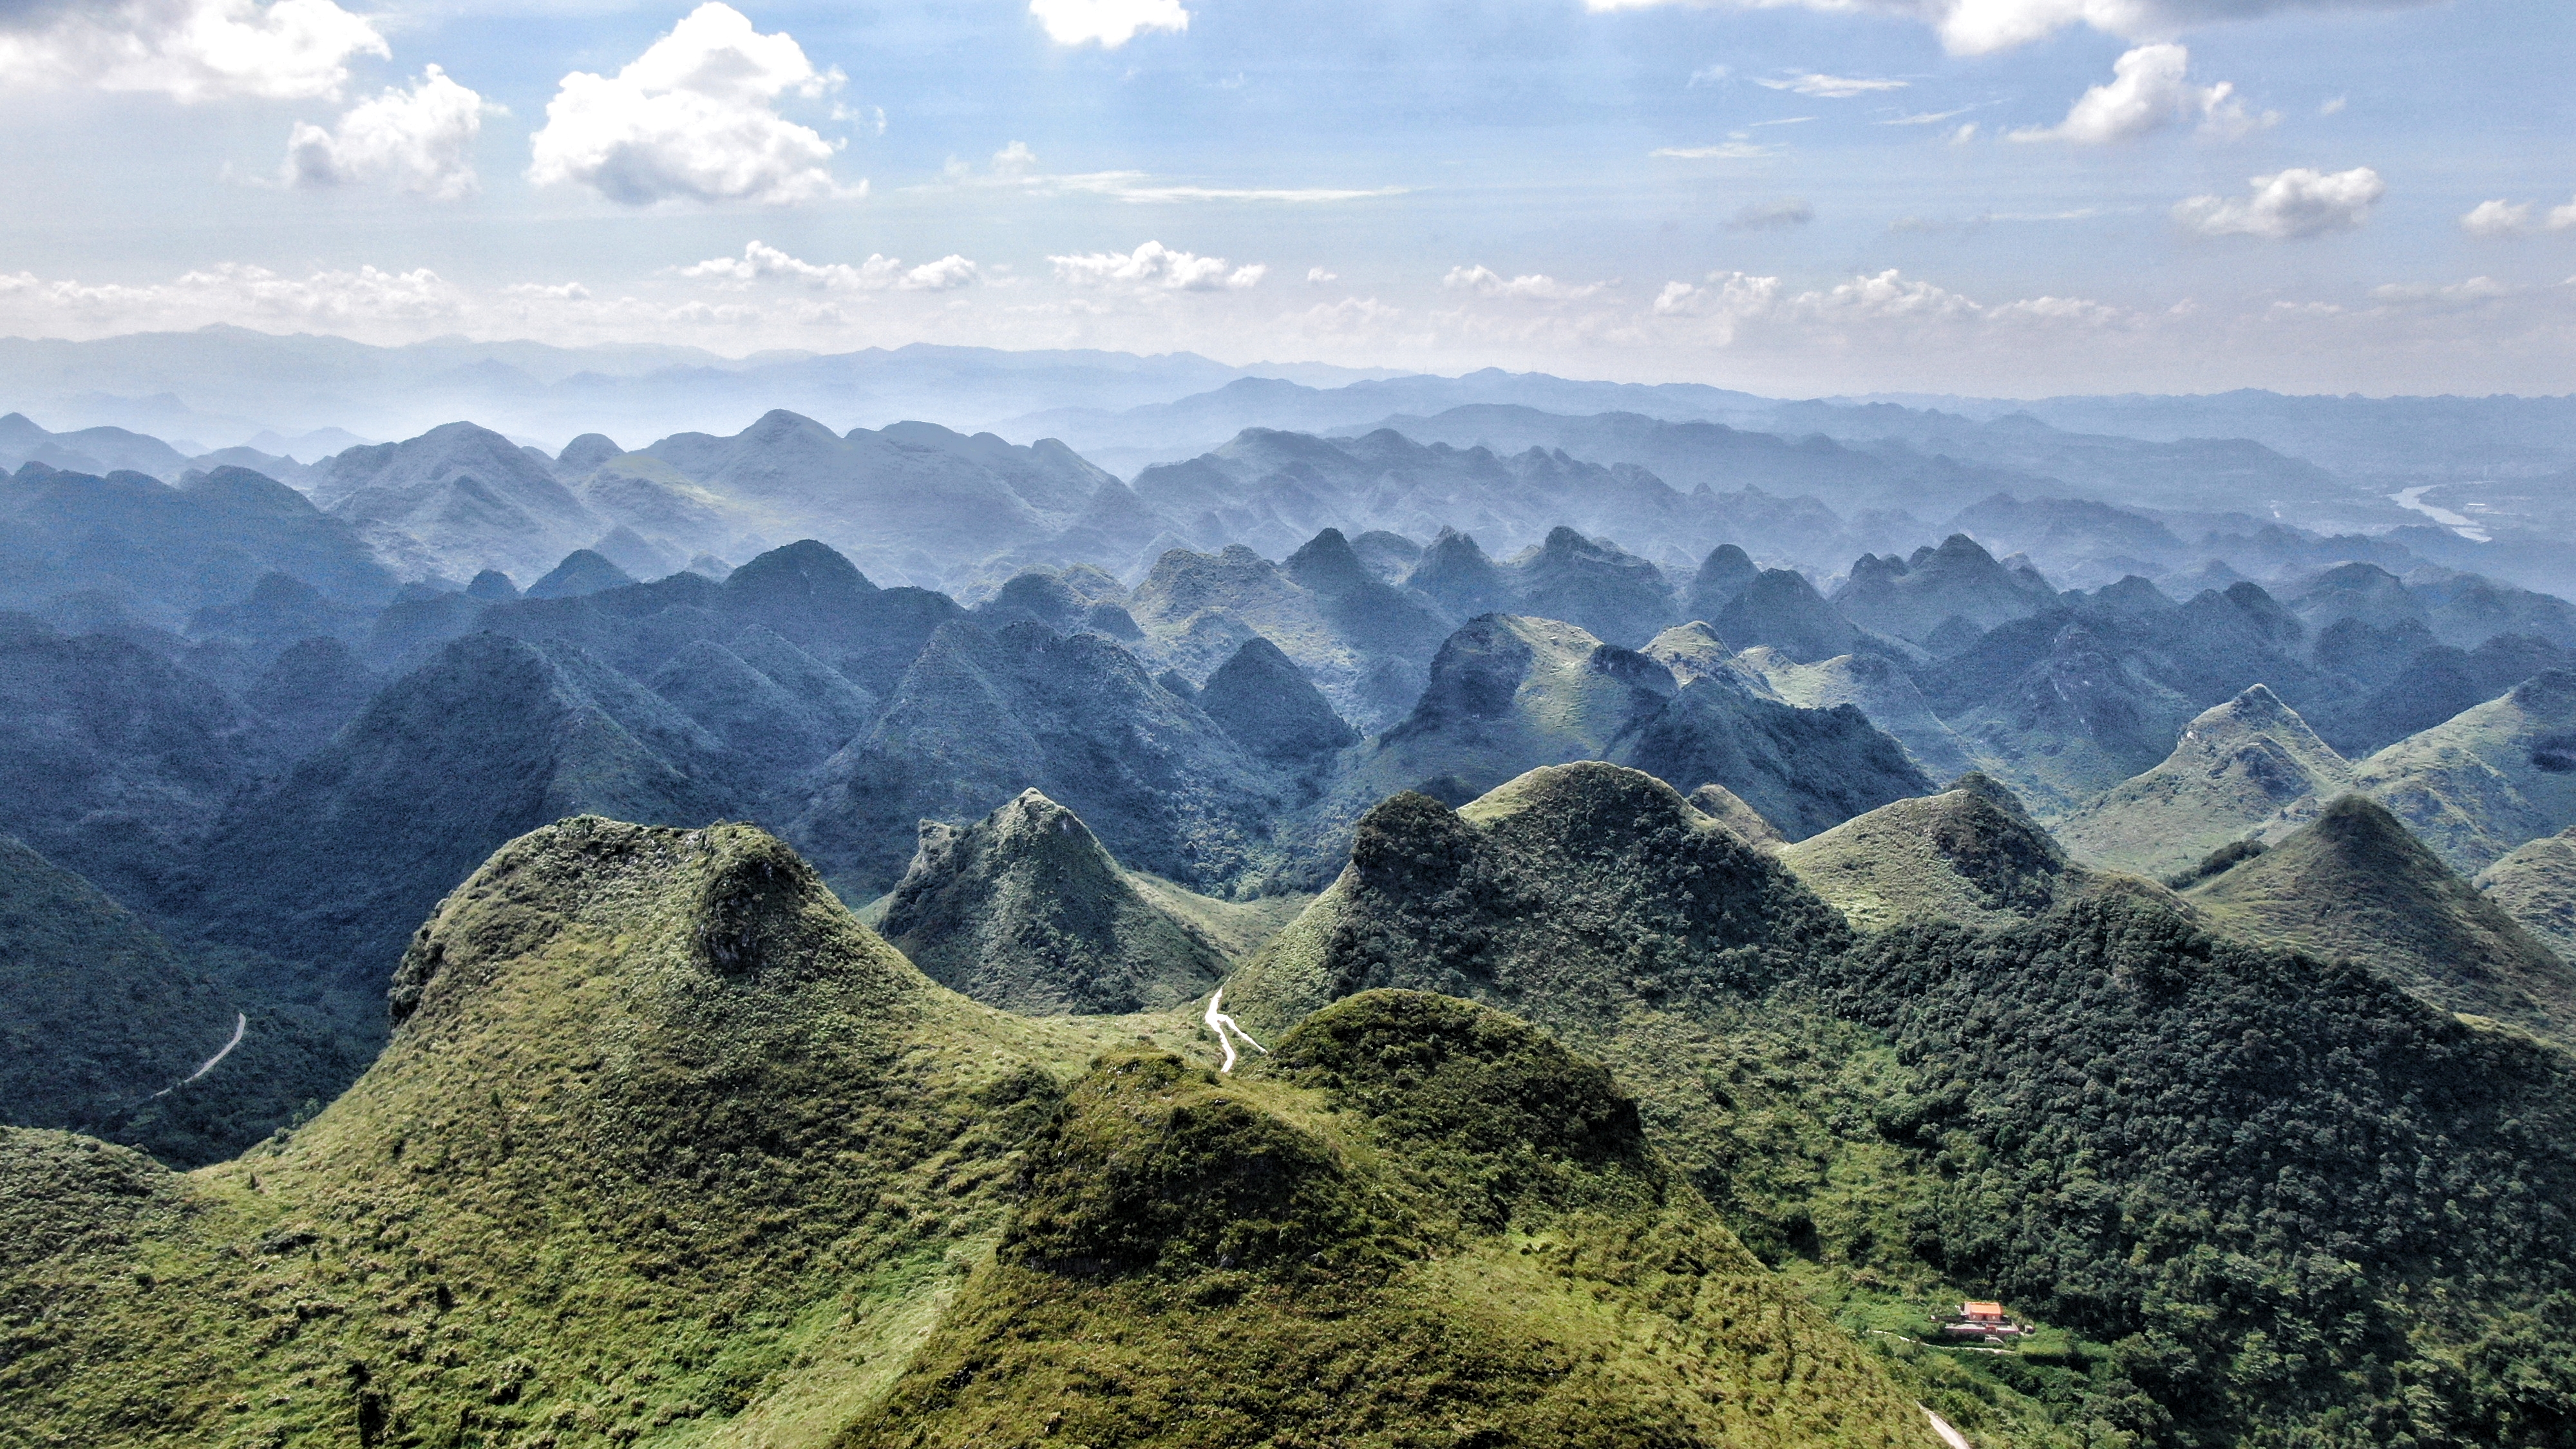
[1591,916]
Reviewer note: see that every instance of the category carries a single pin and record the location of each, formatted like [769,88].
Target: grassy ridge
[2276,1201]
[1425,1224]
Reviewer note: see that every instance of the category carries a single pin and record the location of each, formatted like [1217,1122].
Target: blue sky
[2009,196]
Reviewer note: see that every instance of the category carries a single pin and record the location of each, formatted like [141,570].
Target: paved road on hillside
[1227,1029]
[241,1025]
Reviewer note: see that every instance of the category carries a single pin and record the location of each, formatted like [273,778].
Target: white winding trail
[241,1025]
[1225,1027]
[1941,1426]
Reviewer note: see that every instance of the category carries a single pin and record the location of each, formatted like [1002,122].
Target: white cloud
[1789,211]
[1964,134]
[1837,87]
[2514,218]
[2497,218]
[1724,295]
[1154,267]
[1015,159]
[1926,118]
[421,139]
[538,291]
[1535,286]
[2333,106]
[2148,92]
[1707,75]
[760,260]
[189,50]
[693,118]
[1111,23]
[1978,27]
[2440,294]
[2288,205]
[234,292]
[1723,151]
[1317,276]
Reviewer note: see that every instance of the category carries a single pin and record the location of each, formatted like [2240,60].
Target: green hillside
[2481,783]
[2357,885]
[665,1147]
[668,1149]
[97,1012]
[1026,910]
[2253,1198]
[2233,769]
[2536,885]
[185,1051]
[1425,1223]
[1970,854]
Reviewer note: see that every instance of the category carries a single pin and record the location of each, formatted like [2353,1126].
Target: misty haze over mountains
[1695,729]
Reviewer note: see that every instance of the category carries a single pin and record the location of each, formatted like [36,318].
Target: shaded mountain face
[163,551]
[2536,885]
[114,763]
[468,497]
[334,863]
[1620,598]
[1270,489]
[311,690]
[2354,884]
[804,593]
[1917,598]
[1878,687]
[1027,911]
[1509,694]
[1272,709]
[2234,768]
[1364,643]
[2480,783]
[1345,1223]
[2419,688]
[898,499]
[1970,854]
[1780,610]
[1530,894]
[1725,573]
[2064,705]
[97,1010]
[980,717]
[583,571]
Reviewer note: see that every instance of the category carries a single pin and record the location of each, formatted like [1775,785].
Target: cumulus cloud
[1154,267]
[1317,276]
[421,139]
[694,118]
[2288,205]
[760,260]
[2147,92]
[2515,218]
[189,50]
[1534,286]
[1109,23]
[1838,87]
[1978,27]
[1778,215]
[1875,301]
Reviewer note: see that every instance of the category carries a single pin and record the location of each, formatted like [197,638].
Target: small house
[1983,1320]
